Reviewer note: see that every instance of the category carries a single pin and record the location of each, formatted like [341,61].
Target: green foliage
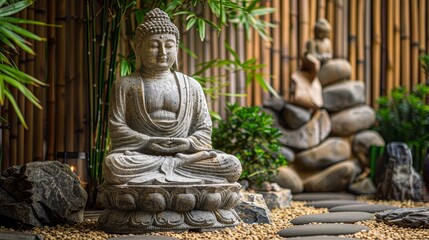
[248,133]
[12,38]
[404,117]
[424,61]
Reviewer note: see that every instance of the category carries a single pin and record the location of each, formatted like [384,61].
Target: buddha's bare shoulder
[129,80]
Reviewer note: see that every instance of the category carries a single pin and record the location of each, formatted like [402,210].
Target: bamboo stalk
[405,44]
[40,73]
[257,91]
[360,64]
[29,107]
[250,53]
[70,77]
[215,55]
[294,55]
[422,33]
[222,72]
[266,55]
[376,49]
[207,44]
[80,105]
[339,30]
[21,103]
[330,16]
[285,40]
[303,25]
[383,67]
[276,55]
[241,51]
[312,18]
[352,37]
[368,53]
[390,48]
[397,43]
[51,81]
[60,86]
[5,134]
[415,63]
[232,76]
[321,9]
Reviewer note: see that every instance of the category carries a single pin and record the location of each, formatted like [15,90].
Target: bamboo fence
[382,39]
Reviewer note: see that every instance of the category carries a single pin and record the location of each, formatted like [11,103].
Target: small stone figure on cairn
[321,45]
[162,173]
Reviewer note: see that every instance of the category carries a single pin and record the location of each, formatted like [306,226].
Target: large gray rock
[309,135]
[321,229]
[288,178]
[396,179]
[363,187]
[352,120]
[294,116]
[405,217]
[253,208]
[343,95]
[361,143]
[337,217]
[334,71]
[277,199]
[333,179]
[42,193]
[329,152]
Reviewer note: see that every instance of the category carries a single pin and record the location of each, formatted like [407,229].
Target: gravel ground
[280,217]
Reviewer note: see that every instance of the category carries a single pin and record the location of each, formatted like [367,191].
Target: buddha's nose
[162,51]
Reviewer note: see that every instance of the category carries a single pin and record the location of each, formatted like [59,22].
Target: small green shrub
[248,133]
[404,117]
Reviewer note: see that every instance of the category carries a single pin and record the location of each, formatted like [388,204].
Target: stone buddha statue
[321,45]
[159,121]
[162,173]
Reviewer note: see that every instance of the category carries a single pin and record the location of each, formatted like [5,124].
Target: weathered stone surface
[275,104]
[335,178]
[363,187]
[333,71]
[142,237]
[352,120]
[395,176]
[294,116]
[277,199]
[253,209]
[369,208]
[322,229]
[288,153]
[333,203]
[337,217]
[343,95]
[309,135]
[361,143]
[288,178]
[9,235]
[39,193]
[405,217]
[329,152]
[321,196]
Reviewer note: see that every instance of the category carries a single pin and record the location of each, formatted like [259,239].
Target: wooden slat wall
[382,39]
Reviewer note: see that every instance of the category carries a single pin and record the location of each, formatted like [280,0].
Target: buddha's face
[159,51]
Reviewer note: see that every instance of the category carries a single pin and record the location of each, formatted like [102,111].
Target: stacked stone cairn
[325,127]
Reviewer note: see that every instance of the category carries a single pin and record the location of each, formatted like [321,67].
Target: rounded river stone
[373,208]
[321,229]
[333,203]
[142,237]
[321,238]
[337,217]
[323,196]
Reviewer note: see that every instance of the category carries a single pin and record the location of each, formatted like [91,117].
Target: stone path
[321,238]
[373,208]
[333,223]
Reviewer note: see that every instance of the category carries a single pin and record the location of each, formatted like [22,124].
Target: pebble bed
[280,217]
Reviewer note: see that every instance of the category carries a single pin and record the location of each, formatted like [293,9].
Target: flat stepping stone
[321,229]
[338,217]
[143,237]
[12,235]
[369,208]
[333,203]
[323,196]
[321,238]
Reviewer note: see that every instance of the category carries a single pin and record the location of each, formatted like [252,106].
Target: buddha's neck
[154,74]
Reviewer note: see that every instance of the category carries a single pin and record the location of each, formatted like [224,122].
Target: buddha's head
[156,42]
[322,29]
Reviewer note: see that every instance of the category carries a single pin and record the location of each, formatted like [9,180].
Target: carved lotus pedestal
[140,209]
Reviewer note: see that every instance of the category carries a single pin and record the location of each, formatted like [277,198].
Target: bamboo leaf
[2,2]
[23,32]
[27,21]
[16,108]
[201,28]
[14,8]
[190,23]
